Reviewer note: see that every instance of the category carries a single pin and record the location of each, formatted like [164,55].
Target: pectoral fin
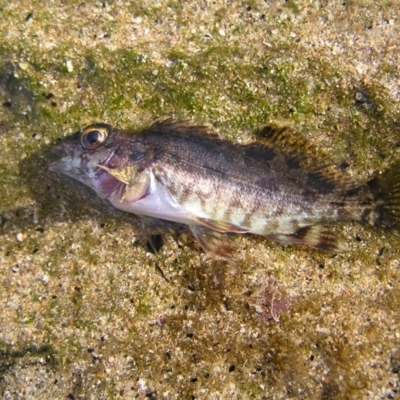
[136,190]
[136,184]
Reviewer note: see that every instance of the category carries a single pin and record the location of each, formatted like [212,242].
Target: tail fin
[386,190]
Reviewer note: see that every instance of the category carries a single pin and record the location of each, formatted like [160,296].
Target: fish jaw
[86,168]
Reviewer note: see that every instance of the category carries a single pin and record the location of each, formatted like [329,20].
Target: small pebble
[69,66]
[23,65]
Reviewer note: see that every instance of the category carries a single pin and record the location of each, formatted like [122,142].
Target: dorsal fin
[169,125]
[298,153]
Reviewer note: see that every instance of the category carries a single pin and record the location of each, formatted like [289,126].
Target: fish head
[89,153]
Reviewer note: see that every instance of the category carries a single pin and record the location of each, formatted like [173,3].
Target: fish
[277,187]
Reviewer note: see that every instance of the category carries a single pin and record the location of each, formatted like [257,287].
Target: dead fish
[277,187]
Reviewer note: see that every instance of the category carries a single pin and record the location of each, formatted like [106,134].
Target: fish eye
[93,137]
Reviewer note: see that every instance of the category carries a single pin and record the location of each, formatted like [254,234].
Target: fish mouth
[67,162]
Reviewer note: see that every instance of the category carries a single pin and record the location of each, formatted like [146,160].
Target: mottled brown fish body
[276,188]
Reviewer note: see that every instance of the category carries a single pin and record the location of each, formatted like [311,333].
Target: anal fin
[317,236]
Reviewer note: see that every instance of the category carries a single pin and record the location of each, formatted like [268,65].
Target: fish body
[276,187]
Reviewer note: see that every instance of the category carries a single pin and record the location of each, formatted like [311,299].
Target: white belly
[158,203]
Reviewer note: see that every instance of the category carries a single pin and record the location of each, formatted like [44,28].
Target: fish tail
[386,193]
